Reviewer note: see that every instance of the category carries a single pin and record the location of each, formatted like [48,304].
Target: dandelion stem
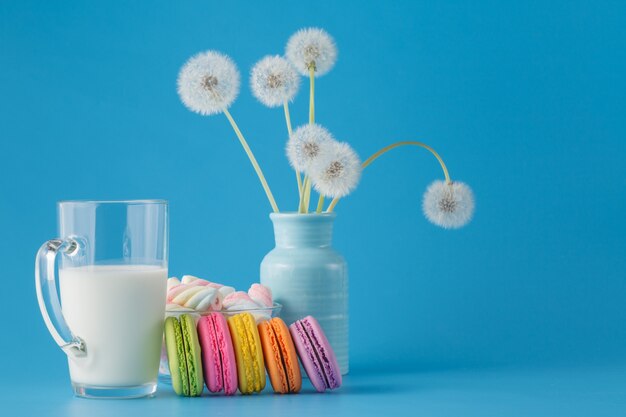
[375,156]
[307,188]
[288,120]
[287,117]
[302,206]
[307,194]
[320,204]
[255,164]
[307,197]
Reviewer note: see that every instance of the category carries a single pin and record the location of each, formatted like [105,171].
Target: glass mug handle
[45,283]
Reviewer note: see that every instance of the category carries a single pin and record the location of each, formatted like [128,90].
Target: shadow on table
[166,402]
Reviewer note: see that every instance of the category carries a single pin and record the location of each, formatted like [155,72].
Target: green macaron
[183,354]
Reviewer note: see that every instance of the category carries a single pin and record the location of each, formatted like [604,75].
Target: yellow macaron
[248,353]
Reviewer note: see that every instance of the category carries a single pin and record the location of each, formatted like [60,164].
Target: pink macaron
[316,354]
[218,355]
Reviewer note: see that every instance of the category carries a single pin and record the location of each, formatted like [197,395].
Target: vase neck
[303,230]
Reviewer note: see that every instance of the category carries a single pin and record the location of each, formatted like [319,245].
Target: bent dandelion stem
[386,149]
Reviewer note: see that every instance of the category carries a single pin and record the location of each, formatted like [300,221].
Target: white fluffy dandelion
[450,206]
[274,81]
[337,175]
[208,83]
[308,144]
[311,47]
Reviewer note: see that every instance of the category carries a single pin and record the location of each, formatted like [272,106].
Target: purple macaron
[316,354]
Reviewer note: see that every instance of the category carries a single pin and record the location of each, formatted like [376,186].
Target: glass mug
[112,267]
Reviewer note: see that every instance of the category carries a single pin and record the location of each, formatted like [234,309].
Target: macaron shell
[289,355]
[316,354]
[248,353]
[325,351]
[280,356]
[229,364]
[256,351]
[193,354]
[218,356]
[176,356]
[242,353]
[272,358]
[211,362]
[307,355]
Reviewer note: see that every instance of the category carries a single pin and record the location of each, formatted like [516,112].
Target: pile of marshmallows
[199,295]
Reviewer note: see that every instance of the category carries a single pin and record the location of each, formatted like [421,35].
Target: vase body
[308,277]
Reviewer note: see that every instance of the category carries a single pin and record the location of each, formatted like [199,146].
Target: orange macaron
[280,356]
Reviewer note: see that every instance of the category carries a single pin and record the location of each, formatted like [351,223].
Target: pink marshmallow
[191,280]
[172,282]
[236,298]
[261,295]
[174,291]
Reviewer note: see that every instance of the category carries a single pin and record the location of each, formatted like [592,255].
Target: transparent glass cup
[111,258]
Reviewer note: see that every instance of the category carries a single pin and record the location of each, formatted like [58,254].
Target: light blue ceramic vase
[308,277]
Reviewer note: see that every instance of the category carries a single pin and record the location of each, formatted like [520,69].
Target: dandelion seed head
[307,144]
[336,174]
[450,206]
[274,81]
[208,83]
[312,47]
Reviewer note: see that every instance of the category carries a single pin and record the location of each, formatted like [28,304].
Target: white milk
[118,311]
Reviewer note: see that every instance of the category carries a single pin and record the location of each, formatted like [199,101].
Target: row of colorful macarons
[234,353]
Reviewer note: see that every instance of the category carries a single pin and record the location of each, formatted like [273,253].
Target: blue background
[525,102]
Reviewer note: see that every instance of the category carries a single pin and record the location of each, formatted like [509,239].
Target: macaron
[183,354]
[280,356]
[248,353]
[316,354]
[218,355]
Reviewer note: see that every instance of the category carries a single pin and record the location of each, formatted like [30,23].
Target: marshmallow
[188,279]
[185,295]
[199,298]
[192,280]
[226,290]
[261,295]
[196,294]
[175,291]
[210,300]
[172,282]
[238,301]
